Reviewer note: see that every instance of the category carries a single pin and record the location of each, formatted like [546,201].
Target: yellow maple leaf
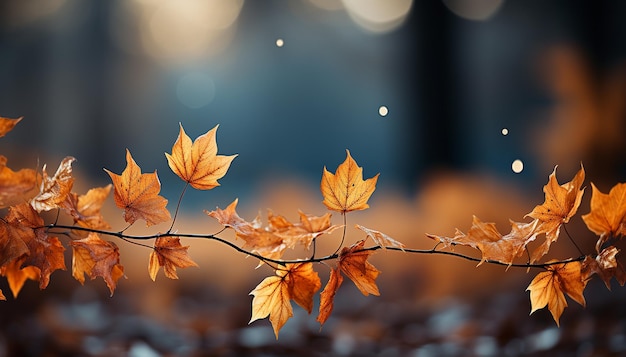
[548,288]
[272,297]
[198,163]
[345,190]
[561,203]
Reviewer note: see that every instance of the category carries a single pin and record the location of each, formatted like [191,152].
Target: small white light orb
[517,166]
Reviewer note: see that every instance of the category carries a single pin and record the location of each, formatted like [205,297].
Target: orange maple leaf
[561,203]
[12,241]
[198,163]
[15,186]
[548,288]
[353,263]
[606,266]
[44,252]
[85,209]
[16,275]
[7,124]
[138,194]
[327,296]
[272,297]
[96,258]
[169,254]
[345,190]
[493,245]
[54,190]
[607,217]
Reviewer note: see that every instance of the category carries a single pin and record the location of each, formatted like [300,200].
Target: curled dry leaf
[85,209]
[169,254]
[272,297]
[7,124]
[381,239]
[327,296]
[96,258]
[272,240]
[493,245]
[548,288]
[138,194]
[54,190]
[16,186]
[606,266]
[345,190]
[561,203]
[198,163]
[303,232]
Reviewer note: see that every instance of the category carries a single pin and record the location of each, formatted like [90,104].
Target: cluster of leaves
[30,248]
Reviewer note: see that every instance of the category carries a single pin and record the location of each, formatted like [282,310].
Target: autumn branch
[30,248]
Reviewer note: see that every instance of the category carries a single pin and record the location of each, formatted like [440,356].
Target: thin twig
[130,238]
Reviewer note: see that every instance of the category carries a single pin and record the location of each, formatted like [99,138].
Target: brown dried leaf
[16,186]
[54,190]
[96,258]
[169,254]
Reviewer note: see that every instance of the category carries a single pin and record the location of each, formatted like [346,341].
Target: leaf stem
[180,199]
[343,236]
[572,240]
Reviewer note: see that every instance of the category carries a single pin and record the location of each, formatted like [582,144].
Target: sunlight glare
[378,16]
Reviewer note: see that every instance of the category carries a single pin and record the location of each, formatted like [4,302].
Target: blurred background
[463,106]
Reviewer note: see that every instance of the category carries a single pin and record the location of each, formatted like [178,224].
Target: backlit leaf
[561,203]
[272,297]
[608,213]
[138,194]
[345,190]
[549,288]
[198,163]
